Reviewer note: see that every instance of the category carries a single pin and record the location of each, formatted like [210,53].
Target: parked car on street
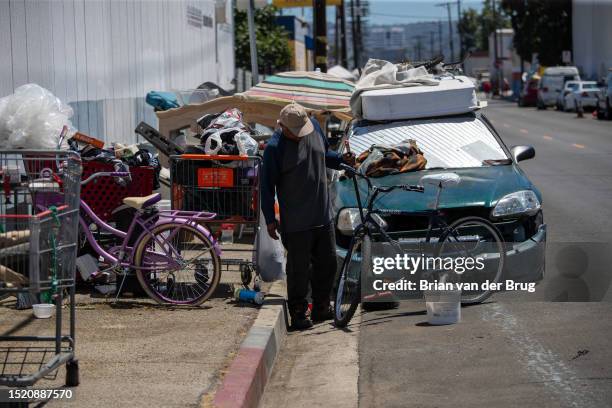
[575,92]
[529,92]
[604,98]
[552,82]
[492,185]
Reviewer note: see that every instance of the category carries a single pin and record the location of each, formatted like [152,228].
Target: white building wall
[103,56]
[592,37]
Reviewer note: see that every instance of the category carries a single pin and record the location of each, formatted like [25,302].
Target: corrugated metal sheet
[451,142]
[102,57]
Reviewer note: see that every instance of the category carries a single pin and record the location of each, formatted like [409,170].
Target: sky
[399,11]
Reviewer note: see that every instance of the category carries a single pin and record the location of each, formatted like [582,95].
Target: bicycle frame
[147,225]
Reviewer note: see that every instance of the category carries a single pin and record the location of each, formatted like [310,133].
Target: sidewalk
[140,354]
[316,368]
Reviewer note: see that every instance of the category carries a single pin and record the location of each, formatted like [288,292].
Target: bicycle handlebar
[383,189]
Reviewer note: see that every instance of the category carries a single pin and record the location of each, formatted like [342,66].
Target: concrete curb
[247,375]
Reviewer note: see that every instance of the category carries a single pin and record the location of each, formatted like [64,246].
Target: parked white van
[552,84]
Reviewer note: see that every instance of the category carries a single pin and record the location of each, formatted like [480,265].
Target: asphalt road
[510,351]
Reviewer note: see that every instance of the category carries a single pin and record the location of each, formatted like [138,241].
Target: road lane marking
[523,131]
[578,146]
[506,125]
[542,363]
[547,137]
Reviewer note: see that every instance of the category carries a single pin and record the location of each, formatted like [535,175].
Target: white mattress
[452,96]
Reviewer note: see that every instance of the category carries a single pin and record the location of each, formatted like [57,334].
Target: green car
[468,146]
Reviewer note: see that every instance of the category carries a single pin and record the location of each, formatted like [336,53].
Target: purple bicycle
[176,259]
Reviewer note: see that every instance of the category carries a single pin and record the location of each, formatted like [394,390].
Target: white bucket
[43,310]
[443,307]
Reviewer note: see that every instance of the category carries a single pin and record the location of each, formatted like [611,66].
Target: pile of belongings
[379,161]
[122,157]
[226,134]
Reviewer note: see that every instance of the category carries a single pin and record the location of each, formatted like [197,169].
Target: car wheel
[608,111]
[540,105]
[520,102]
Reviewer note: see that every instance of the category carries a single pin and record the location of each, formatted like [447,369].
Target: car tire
[520,102]
[540,105]
[608,111]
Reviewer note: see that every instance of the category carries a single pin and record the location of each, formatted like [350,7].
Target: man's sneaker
[322,314]
[301,323]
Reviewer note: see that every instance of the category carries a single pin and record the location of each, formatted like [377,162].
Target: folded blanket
[379,161]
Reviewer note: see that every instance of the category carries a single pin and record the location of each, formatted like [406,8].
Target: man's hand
[272,230]
[349,158]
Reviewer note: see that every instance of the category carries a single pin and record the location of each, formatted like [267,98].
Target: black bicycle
[468,237]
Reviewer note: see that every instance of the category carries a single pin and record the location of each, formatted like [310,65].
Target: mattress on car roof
[453,95]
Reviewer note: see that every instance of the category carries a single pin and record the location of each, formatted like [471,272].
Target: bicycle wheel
[177,264]
[479,239]
[349,281]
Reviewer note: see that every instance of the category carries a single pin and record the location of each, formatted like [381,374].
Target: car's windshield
[572,86]
[452,142]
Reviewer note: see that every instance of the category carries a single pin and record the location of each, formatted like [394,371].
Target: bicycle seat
[142,202]
[441,179]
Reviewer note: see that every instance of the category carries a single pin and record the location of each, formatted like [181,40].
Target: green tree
[541,26]
[476,27]
[490,19]
[273,52]
[469,26]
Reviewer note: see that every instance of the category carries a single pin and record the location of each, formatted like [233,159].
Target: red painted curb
[244,383]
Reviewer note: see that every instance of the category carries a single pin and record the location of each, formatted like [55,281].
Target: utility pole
[432,52]
[341,11]
[359,33]
[253,43]
[459,29]
[320,35]
[418,55]
[440,36]
[354,35]
[450,27]
[492,2]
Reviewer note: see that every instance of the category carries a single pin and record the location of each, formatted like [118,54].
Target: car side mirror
[521,153]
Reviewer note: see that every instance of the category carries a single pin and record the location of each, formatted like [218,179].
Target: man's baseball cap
[294,117]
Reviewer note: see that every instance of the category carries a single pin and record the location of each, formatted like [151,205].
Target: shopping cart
[227,186]
[39,210]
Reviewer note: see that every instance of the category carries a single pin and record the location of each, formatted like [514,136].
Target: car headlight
[520,202]
[349,220]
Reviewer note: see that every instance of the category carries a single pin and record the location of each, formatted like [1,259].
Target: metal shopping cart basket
[227,186]
[39,212]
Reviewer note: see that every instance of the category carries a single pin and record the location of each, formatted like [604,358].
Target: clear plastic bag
[33,118]
[247,146]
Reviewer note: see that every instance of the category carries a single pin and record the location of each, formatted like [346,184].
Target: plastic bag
[213,143]
[270,253]
[247,146]
[33,118]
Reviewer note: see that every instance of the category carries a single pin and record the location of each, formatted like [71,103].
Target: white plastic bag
[270,254]
[213,143]
[33,118]
[247,146]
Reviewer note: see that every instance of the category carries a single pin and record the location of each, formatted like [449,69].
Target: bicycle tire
[145,283]
[342,319]
[499,241]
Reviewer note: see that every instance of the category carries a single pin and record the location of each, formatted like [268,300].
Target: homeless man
[294,168]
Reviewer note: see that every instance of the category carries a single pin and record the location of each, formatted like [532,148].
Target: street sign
[302,3]
[566,56]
